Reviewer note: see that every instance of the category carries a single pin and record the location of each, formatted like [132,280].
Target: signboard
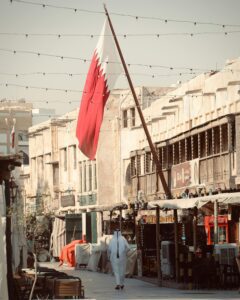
[185,174]
[68,200]
[162,219]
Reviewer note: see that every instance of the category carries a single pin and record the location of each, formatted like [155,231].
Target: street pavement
[101,286]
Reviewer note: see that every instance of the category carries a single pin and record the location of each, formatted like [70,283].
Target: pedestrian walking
[117,253]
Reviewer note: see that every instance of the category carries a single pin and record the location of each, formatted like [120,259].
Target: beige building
[185,122]
[66,183]
[17,115]
[193,126]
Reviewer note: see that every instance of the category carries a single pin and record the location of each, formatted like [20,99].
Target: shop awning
[174,203]
[115,206]
[80,209]
[223,198]
[75,209]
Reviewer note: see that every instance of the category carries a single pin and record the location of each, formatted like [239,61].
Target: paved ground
[100,286]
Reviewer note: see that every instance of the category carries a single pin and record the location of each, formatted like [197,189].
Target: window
[80,177]
[170,155]
[164,157]
[202,144]
[74,157]
[224,138]
[147,162]
[125,120]
[84,177]
[195,150]
[176,153]
[216,141]
[188,149]
[65,159]
[182,148]
[22,137]
[95,174]
[209,142]
[159,155]
[90,176]
[138,165]
[132,111]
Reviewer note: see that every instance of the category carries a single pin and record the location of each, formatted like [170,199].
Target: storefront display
[223,233]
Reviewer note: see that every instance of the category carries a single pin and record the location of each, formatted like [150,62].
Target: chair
[23,287]
[68,287]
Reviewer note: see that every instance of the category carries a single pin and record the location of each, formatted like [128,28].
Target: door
[73,227]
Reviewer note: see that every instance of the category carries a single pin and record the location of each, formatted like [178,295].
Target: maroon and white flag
[13,137]
[102,75]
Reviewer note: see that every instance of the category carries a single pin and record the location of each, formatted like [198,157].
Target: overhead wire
[84,74]
[124,35]
[62,57]
[136,17]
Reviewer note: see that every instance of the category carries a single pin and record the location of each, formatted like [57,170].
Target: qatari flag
[101,77]
[13,137]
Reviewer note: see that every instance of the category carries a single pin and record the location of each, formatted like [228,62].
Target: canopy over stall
[224,198]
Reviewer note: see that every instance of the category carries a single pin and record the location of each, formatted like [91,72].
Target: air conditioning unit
[226,253]
[167,259]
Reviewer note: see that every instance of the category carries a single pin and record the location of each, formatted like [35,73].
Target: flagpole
[153,150]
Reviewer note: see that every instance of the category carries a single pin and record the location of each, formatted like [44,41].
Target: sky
[163,43]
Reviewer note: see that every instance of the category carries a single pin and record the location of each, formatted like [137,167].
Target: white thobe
[117,251]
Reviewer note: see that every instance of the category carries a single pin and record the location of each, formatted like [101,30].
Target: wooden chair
[68,287]
[23,287]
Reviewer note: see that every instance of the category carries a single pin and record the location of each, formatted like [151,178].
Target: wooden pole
[195,229]
[102,224]
[159,273]
[110,222]
[153,150]
[176,244]
[8,240]
[120,219]
[216,222]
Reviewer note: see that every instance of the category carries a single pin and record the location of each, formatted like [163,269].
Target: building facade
[63,182]
[195,129]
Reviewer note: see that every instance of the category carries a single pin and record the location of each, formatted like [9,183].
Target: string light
[79,91]
[110,62]
[84,74]
[40,88]
[59,7]
[125,35]
[136,17]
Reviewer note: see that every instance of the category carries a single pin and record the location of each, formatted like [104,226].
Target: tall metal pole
[153,150]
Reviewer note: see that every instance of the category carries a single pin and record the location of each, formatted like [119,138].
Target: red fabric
[95,95]
[13,137]
[68,253]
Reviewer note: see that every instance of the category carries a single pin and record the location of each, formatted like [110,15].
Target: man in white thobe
[117,252]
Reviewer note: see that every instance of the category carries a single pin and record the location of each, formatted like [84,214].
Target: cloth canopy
[223,198]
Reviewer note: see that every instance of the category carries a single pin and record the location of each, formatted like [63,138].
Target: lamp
[13,188]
